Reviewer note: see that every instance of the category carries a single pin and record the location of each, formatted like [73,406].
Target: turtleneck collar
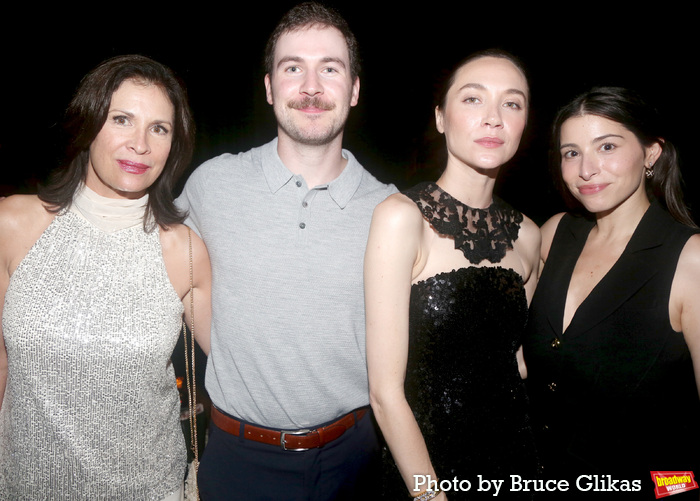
[108,214]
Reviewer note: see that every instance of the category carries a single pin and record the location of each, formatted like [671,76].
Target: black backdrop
[217,51]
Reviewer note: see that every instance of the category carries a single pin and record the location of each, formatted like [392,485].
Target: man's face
[310,87]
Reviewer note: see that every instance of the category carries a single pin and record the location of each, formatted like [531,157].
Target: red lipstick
[133,167]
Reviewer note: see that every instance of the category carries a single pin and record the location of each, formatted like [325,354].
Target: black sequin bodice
[465,327]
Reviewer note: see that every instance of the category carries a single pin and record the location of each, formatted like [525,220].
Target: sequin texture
[91,409]
[462,379]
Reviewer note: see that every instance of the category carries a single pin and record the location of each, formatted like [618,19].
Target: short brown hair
[307,15]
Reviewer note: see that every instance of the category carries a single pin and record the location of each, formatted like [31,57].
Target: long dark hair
[87,113]
[629,109]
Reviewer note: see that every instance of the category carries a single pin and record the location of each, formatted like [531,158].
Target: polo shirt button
[305,204]
[299,184]
[302,225]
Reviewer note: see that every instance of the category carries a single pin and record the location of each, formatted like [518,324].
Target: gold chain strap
[189,368]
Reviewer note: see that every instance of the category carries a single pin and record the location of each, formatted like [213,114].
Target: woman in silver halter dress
[95,271]
[449,271]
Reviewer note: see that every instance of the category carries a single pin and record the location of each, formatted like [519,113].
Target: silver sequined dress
[91,409]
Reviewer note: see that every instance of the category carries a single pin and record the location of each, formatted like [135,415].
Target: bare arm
[201,275]
[542,242]
[392,250]
[685,301]
[529,247]
[547,231]
[4,281]
[7,232]
[176,253]
[530,240]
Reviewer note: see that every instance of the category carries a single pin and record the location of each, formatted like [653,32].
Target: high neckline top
[108,214]
[481,234]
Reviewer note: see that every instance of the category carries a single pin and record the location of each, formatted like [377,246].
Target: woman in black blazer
[613,343]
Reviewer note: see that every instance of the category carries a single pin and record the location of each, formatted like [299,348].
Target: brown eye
[160,129]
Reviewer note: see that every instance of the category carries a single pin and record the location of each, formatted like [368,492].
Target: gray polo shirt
[288,326]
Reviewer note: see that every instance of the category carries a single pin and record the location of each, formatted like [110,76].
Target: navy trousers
[235,468]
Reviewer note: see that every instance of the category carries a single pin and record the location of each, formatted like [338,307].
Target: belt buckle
[283,442]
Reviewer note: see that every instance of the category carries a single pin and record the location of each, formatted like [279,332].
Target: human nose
[140,142]
[588,168]
[312,84]
[492,116]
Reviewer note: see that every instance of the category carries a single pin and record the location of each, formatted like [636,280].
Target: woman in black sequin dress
[449,272]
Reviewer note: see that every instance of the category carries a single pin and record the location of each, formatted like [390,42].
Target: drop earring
[649,171]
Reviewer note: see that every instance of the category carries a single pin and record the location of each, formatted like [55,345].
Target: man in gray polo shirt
[286,226]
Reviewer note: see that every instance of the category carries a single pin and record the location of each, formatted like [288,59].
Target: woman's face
[131,149]
[603,163]
[484,113]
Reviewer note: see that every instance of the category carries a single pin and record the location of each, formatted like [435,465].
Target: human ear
[268,89]
[653,152]
[439,120]
[355,96]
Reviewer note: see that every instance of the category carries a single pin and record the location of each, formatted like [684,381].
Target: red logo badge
[668,483]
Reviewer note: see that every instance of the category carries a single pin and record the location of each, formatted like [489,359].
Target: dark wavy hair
[87,113]
[629,109]
[307,15]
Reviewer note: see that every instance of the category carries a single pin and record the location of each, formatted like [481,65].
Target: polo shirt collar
[276,174]
[341,189]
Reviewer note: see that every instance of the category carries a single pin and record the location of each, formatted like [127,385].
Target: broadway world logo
[668,483]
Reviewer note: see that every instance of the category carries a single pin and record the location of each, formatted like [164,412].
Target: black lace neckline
[481,234]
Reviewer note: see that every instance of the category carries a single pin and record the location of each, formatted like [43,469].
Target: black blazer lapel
[633,269]
[570,237]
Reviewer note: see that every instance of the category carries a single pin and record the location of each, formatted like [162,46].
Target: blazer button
[556,343]
[552,386]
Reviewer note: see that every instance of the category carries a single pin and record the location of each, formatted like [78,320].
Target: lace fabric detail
[481,234]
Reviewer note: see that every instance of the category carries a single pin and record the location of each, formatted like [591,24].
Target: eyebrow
[131,115]
[595,140]
[605,136]
[479,86]
[298,59]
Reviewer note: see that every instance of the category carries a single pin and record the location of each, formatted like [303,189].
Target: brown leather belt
[298,440]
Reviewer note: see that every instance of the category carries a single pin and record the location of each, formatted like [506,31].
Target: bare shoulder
[684,305]
[396,234]
[398,213]
[528,248]
[23,218]
[689,261]
[686,280]
[176,239]
[530,235]
[175,242]
[23,212]
[547,231]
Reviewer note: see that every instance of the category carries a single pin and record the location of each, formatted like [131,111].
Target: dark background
[217,51]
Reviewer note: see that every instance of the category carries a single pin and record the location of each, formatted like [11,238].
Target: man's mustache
[311,102]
